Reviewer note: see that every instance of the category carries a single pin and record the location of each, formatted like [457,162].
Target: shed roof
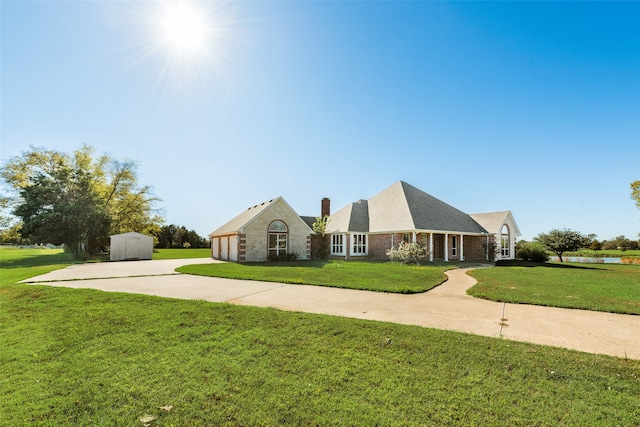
[131,234]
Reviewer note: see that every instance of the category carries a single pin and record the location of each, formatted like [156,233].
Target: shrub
[531,251]
[491,249]
[407,253]
[289,256]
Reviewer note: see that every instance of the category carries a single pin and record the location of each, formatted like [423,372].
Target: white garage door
[224,250]
[215,253]
[233,248]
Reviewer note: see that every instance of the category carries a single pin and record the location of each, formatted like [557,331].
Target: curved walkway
[444,307]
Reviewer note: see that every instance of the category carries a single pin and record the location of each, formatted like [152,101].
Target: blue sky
[528,106]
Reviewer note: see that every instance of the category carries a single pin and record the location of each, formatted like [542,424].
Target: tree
[531,251]
[194,240]
[177,236]
[320,240]
[77,199]
[595,246]
[561,241]
[12,235]
[63,208]
[635,192]
[620,243]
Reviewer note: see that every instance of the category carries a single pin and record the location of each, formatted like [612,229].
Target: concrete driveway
[445,307]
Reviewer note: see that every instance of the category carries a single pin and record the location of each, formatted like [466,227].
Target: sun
[183,28]
[185,44]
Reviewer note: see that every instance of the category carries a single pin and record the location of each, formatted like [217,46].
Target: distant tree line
[177,236]
[619,243]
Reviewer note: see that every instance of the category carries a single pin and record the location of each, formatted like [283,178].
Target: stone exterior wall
[256,247]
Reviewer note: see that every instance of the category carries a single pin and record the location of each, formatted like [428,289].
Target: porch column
[462,247]
[431,247]
[414,237]
[446,247]
[486,252]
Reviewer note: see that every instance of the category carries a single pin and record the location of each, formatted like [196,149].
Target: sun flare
[187,42]
[184,29]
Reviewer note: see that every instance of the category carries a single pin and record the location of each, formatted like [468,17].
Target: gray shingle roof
[493,221]
[243,218]
[309,220]
[402,207]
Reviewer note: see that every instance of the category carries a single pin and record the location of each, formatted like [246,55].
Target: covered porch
[442,246]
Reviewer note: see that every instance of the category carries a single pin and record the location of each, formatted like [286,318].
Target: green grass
[85,357]
[18,264]
[612,253]
[602,287]
[382,277]
[181,253]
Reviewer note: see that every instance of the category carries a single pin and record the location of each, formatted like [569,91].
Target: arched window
[505,241]
[277,239]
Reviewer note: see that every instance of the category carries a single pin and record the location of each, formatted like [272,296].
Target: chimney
[326,207]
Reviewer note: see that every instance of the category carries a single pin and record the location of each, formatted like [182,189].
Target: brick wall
[379,244]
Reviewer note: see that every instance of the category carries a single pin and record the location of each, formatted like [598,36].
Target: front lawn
[18,264]
[382,277]
[91,358]
[181,253]
[602,287]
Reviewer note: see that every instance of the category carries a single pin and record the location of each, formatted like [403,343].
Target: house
[402,212]
[368,229]
[269,230]
[503,228]
[130,246]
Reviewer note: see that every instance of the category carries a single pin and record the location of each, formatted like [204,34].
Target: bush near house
[287,256]
[531,251]
[408,253]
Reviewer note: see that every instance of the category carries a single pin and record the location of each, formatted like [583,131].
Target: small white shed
[130,246]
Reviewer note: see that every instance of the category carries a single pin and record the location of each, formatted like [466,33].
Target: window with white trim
[454,245]
[277,239]
[358,244]
[504,241]
[337,244]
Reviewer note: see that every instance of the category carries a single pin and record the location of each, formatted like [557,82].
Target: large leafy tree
[78,199]
[561,241]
